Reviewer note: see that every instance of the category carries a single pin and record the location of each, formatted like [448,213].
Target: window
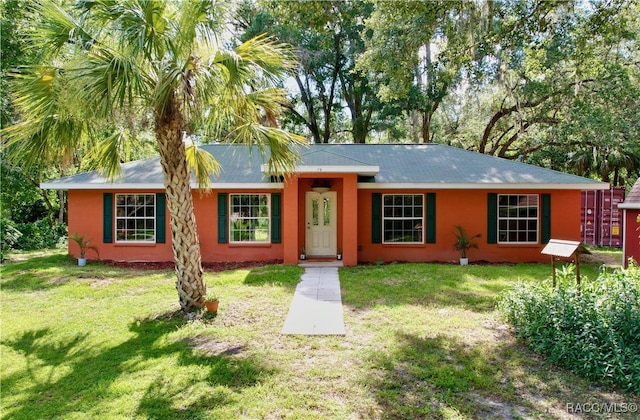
[325,216]
[249,217]
[402,218]
[518,218]
[135,217]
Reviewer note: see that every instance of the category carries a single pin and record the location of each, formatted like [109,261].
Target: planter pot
[464,261]
[303,257]
[212,306]
[339,257]
[82,262]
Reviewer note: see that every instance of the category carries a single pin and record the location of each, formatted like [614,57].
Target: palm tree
[161,61]
[608,161]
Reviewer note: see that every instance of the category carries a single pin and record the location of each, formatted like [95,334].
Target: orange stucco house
[371,202]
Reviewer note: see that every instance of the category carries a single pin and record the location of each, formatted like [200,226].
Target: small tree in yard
[108,62]
[464,242]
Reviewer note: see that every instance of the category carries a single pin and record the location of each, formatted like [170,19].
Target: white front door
[321,223]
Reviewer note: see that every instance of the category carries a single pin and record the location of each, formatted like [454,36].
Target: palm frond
[107,80]
[51,128]
[266,57]
[58,29]
[203,165]
[108,154]
[141,25]
[197,22]
[268,100]
[164,85]
[278,144]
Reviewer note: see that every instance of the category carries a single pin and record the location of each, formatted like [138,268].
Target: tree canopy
[527,79]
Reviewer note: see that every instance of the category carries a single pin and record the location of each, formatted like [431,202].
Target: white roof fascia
[368,170]
[629,206]
[481,186]
[99,186]
[194,185]
[361,185]
[244,186]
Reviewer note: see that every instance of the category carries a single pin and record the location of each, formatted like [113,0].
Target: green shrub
[594,331]
[39,235]
[10,235]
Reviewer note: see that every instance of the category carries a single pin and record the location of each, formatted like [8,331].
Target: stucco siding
[467,208]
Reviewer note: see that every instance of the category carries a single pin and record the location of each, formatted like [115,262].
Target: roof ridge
[335,154]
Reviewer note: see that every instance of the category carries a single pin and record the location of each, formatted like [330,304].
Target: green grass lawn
[423,341]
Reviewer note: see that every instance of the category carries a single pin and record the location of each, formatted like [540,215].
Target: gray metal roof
[425,166]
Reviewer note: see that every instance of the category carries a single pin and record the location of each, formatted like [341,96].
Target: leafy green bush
[39,235]
[594,331]
[9,236]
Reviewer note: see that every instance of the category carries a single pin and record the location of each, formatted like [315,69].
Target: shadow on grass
[159,403]
[443,377]
[21,275]
[81,376]
[425,377]
[36,343]
[40,273]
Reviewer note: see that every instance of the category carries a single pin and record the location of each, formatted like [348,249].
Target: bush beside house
[593,331]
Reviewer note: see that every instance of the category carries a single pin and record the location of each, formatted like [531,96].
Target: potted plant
[303,255]
[464,243]
[84,244]
[339,254]
[211,302]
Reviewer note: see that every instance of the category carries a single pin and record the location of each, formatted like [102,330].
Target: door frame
[333,222]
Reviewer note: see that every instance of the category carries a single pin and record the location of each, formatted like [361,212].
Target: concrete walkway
[316,308]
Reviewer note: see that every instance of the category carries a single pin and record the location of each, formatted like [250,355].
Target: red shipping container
[588,225]
[601,223]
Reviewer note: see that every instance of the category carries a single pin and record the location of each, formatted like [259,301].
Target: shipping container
[601,223]
[588,225]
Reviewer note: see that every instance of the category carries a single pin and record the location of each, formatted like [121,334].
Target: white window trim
[116,218]
[537,219]
[229,233]
[404,218]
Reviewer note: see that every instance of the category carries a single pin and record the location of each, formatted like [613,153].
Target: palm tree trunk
[184,235]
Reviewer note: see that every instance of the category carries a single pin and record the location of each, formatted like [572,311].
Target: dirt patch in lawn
[58,280]
[97,282]
[609,259]
[94,281]
[212,347]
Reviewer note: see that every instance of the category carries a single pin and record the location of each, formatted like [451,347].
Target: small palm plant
[84,244]
[464,242]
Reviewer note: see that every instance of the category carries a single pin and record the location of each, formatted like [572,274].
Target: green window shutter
[276,218]
[161,217]
[376,218]
[545,229]
[222,218]
[492,218]
[107,218]
[431,218]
